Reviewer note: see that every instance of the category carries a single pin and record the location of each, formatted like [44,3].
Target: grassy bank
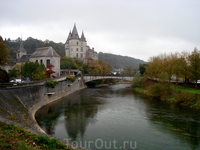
[13,137]
[172,93]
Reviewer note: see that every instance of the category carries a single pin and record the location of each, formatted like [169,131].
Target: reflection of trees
[77,119]
[47,118]
[78,116]
[178,122]
[79,109]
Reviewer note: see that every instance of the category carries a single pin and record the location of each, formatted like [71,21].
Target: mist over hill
[31,44]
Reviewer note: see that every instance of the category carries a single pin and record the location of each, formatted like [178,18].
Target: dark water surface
[115,117]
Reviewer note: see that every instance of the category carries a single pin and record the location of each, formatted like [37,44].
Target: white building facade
[77,47]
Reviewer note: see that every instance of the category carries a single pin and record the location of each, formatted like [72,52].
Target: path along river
[115,117]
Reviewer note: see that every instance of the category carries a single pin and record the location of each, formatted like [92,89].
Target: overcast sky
[135,28]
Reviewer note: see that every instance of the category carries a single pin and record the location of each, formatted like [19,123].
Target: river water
[115,117]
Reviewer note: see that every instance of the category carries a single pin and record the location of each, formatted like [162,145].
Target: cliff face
[18,105]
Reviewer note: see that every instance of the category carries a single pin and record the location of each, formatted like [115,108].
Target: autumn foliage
[49,71]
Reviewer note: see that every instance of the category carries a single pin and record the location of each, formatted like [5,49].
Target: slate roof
[44,52]
[83,37]
[74,33]
[24,58]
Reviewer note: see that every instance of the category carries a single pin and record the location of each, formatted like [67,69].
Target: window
[71,49]
[77,43]
[81,55]
[77,49]
[36,61]
[48,62]
[41,61]
[81,49]
[77,55]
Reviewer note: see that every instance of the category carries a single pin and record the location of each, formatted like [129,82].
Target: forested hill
[118,61]
[31,44]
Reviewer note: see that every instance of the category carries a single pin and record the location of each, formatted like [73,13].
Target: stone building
[76,46]
[47,55]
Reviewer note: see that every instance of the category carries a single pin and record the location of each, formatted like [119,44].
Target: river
[116,117]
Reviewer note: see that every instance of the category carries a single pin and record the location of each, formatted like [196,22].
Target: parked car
[17,81]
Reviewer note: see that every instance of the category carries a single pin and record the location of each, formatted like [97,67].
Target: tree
[194,68]
[49,72]
[34,71]
[129,71]
[66,63]
[4,77]
[142,68]
[4,56]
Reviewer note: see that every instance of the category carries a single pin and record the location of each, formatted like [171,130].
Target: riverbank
[178,94]
[13,137]
[19,104]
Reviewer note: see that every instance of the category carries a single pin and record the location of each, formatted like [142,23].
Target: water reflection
[78,110]
[116,112]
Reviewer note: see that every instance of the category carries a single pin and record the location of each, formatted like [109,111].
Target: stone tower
[76,46]
[21,51]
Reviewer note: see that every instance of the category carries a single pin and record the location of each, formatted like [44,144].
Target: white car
[17,81]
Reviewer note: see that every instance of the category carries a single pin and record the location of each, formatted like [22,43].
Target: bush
[184,97]
[79,74]
[51,83]
[160,90]
[137,81]
[71,78]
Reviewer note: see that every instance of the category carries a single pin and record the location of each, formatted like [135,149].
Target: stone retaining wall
[19,105]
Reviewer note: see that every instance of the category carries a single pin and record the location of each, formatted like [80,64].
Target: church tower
[21,51]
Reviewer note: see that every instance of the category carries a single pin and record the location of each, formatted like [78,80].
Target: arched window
[41,61]
[48,62]
[36,61]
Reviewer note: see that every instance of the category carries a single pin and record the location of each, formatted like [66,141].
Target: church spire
[21,48]
[74,33]
[83,37]
[69,37]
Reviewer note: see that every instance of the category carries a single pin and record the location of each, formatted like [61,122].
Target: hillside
[30,45]
[118,61]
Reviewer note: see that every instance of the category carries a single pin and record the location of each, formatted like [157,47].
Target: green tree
[142,68]
[4,77]
[194,68]
[34,71]
[129,71]
[4,56]
[137,80]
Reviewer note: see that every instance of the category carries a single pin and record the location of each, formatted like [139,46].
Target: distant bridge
[92,77]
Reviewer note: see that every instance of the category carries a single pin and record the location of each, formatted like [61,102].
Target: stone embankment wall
[18,105]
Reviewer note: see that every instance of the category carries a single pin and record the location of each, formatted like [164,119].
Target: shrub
[79,74]
[183,97]
[51,83]
[160,90]
[137,81]
[71,78]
